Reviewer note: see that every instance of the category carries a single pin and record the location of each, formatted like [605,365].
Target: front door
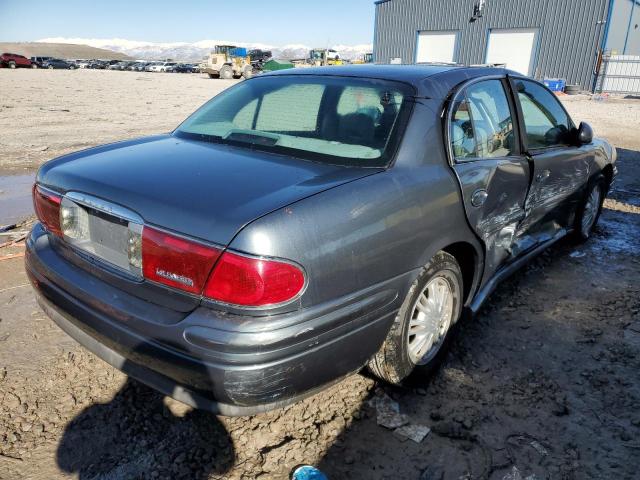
[493,175]
[560,168]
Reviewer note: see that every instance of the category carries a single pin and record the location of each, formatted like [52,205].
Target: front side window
[546,122]
[482,124]
[345,121]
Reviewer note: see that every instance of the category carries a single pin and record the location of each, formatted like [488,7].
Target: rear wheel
[33,65]
[420,333]
[589,212]
[12,64]
[50,67]
[226,72]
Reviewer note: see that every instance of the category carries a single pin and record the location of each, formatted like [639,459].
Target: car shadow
[140,433]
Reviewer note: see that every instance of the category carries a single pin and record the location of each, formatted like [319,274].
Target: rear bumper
[227,364]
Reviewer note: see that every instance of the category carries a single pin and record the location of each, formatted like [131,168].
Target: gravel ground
[542,384]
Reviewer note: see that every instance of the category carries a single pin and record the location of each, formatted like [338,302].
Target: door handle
[543,175]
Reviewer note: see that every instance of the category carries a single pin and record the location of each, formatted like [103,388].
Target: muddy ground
[542,384]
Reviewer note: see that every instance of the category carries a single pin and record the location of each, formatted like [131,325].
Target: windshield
[338,120]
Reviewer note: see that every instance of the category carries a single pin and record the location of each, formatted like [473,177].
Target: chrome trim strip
[104,206]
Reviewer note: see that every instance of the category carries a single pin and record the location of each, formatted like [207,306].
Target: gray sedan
[307,223]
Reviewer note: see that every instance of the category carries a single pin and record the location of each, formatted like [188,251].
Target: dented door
[493,174]
[560,168]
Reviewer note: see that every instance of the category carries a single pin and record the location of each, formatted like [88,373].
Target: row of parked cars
[13,60]
[173,67]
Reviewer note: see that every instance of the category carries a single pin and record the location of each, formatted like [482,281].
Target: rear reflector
[175,261]
[47,207]
[254,282]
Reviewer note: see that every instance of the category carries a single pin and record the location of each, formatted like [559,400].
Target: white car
[163,67]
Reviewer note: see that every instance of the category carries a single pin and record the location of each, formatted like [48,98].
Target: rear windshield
[338,120]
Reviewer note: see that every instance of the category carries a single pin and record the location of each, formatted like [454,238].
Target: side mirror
[585,133]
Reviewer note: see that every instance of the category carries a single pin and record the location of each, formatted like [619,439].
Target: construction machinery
[365,58]
[228,61]
[323,56]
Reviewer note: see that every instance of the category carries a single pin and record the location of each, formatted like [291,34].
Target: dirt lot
[542,384]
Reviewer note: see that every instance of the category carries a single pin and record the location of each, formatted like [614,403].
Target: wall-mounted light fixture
[478,9]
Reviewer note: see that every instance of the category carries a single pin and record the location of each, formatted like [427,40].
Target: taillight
[247,281]
[47,207]
[176,261]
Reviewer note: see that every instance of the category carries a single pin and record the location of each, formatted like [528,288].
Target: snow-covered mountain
[183,51]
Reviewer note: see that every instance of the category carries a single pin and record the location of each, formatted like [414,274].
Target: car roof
[448,75]
[413,74]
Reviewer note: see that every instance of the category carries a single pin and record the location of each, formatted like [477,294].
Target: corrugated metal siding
[570,31]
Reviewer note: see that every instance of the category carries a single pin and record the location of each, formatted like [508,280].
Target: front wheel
[420,332]
[12,64]
[589,212]
[50,67]
[33,65]
[226,72]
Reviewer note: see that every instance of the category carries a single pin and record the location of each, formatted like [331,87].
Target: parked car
[38,61]
[13,60]
[151,65]
[163,67]
[137,66]
[183,68]
[308,222]
[83,63]
[56,63]
[118,66]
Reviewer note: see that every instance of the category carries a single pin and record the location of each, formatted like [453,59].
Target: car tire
[590,209]
[247,73]
[33,65]
[50,67]
[434,302]
[12,64]
[226,72]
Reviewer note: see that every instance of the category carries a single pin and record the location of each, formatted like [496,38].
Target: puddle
[15,198]
[616,236]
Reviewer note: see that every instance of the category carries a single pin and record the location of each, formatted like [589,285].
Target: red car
[13,60]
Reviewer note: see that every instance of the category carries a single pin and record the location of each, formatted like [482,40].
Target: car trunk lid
[203,190]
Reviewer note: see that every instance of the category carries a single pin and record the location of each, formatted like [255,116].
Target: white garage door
[513,47]
[436,47]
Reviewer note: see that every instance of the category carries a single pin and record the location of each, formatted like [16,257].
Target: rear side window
[482,123]
[546,122]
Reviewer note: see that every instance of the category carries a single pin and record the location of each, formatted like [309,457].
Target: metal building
[542,38]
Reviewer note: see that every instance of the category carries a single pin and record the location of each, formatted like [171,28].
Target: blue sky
[274,22]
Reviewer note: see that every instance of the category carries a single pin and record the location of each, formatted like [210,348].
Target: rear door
[493,174]
[560,167]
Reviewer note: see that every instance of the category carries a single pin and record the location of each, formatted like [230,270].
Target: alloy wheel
[431,317]
[591,208]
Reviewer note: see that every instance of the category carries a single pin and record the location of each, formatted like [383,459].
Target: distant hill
[60,50]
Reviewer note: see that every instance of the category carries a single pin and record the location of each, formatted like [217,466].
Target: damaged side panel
[494,193]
